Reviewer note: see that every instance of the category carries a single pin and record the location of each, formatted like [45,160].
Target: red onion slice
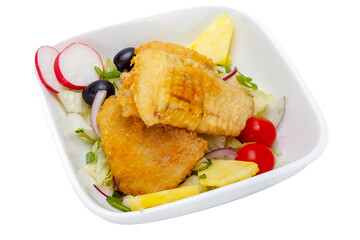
[232,73]
[275,112]
[281,110]
[221,152]
[95,109]
[97,188]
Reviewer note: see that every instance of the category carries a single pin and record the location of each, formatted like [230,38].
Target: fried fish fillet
[182,91]
[126,98]
[177,50]
[146,159]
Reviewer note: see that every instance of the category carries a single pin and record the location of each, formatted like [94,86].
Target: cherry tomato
[259,154]
[259,130]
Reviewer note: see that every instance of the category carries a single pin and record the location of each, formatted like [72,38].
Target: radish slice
[275,112]
[232,73]
[74,66]
[44,62]
[95,109]
[221,152]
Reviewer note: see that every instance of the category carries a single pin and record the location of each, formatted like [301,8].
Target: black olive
[122,59]
[90,91]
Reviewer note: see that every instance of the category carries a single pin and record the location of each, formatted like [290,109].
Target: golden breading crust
[169,89]
[173,85]
[146,159]
[177,50]
[126,97]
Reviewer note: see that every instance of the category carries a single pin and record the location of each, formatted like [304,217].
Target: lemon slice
[158,198]
[215,41]
[224,172]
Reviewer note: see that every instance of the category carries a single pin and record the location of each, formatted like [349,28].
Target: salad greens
[116,203]
[261,101]
[96,162]
[83,134]
[234,143]
[116,194]
[246,81]
[241,78]
[98,167]
[82,127]
[73,102]
[213,142]
[227,69]
[203,176]
[108,75]
[90,157]
[202,165]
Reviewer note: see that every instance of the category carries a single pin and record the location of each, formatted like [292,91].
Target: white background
[321,38]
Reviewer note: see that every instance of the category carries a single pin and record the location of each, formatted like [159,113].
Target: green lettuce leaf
[99,168]
[262,100]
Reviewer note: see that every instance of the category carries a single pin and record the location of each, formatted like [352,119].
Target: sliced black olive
[90,91]
[122,59]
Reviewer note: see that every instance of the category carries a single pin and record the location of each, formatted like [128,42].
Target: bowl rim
[140,217]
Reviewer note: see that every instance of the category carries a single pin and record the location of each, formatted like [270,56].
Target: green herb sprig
[108,75]
[246,81]
[203,176]
[116,194]
[208,165]
[90,157]
[115,202]
[227,69]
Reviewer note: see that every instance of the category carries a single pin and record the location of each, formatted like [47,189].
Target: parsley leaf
[116,194]
[79,130]
[109,75]
[90,157]
[246,81]
[227,69]
[203,176]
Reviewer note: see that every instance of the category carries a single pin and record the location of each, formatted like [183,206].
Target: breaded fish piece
[177,50]
[126,98]
[171,89]
[146,159]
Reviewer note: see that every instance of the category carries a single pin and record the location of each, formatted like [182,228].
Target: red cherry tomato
[259,130]
[259,154]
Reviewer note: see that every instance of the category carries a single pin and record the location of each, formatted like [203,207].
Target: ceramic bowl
[301,137]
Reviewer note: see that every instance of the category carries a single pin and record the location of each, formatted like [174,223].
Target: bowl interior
[253,51]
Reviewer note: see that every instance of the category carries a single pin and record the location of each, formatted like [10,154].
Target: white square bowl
[302,136]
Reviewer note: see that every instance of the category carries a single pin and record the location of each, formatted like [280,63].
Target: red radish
[44,63]
[74,66]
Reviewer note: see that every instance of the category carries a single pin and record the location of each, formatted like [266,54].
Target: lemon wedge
[158,198]
[215,41]
[224,172]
